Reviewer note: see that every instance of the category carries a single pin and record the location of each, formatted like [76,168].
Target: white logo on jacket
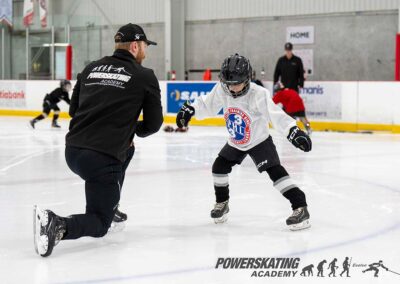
[110,72]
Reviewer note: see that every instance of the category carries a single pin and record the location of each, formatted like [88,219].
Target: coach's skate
[300,219]
[119,216]
[118,223]
[48,230]
[220,212]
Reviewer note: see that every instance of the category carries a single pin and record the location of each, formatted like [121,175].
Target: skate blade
[116,227]
[39,220]
[36,230]
[221,220]
[300,226]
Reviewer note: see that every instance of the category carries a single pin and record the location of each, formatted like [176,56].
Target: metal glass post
[68,29]
[2,53]
[52,54]
[27,53]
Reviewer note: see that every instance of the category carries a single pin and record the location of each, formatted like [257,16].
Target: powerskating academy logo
[238,125]
[108,75]
[261,266]
[291,267]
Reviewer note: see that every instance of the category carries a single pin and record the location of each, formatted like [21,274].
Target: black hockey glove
[299,139]
[184,115]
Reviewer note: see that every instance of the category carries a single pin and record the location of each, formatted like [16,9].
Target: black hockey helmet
[235,69]
[63,83]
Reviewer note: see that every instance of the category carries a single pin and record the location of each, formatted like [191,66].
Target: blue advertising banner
[178,93]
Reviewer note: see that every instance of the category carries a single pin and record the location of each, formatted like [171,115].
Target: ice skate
[308,129]
[220,212]
[32,123]
[48,230]
[55,125]
[119,216]
[299,220]
[118,223]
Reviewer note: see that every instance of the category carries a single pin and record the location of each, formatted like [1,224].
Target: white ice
[351,182]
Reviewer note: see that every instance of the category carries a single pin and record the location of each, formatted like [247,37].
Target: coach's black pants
[104,176]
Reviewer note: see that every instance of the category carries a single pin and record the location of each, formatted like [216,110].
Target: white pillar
[175,37]
[398,19]
[167,27]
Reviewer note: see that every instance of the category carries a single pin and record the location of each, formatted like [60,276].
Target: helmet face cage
[237,94]
[64,83]
[235,70]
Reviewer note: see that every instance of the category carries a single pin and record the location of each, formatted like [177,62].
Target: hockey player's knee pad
[222,166]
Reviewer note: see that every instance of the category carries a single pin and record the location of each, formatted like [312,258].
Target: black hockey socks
[296,197]
[39,117]
[221,193]
[55,117]
[284,184]
[220,170]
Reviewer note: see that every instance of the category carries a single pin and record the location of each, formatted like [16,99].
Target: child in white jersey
[248,109]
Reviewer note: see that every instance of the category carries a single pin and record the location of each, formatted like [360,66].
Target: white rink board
[361,102]
[375,108]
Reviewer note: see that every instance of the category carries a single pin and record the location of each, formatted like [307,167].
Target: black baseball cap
[132,32]
[288,46]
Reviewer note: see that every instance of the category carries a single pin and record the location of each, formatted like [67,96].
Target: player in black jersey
[50,102]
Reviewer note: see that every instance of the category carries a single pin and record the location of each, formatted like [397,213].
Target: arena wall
[336,106]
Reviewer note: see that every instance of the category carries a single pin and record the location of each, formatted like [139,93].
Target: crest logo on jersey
[238,125]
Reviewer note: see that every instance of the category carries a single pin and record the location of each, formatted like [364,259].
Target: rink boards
[339,106]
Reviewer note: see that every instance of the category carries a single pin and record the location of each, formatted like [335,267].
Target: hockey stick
[393,272]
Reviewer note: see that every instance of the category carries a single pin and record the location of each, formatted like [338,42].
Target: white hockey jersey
[246,117]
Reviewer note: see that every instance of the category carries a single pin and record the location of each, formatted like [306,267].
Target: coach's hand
[299,139]
[184,115]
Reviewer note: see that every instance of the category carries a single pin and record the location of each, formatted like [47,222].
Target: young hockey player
[248,109]
[292,104]
[50,103]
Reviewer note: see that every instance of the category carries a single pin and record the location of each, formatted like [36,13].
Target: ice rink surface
[351,181]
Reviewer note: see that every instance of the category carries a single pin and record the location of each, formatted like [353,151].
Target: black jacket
[290,72]
[106,103]
[56,96]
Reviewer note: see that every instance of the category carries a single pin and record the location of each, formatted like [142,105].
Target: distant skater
[50,103]
[292,104]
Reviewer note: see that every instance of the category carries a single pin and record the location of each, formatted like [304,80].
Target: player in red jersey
[292,104]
